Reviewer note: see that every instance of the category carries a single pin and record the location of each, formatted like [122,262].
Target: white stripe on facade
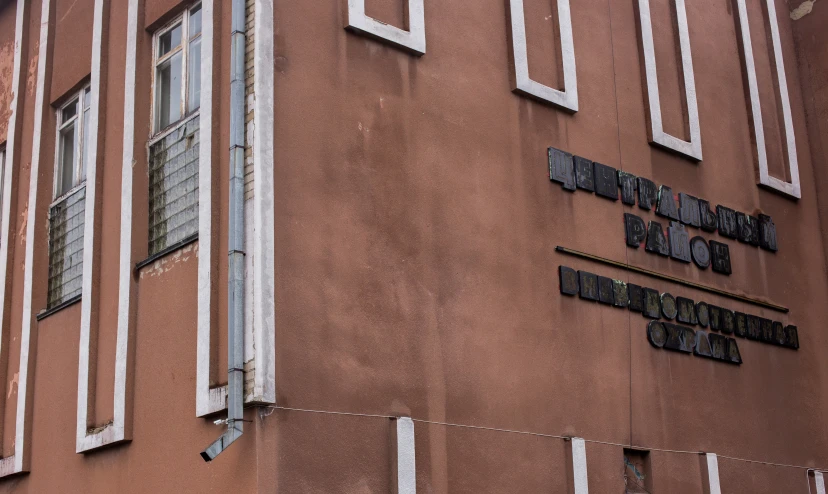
[207,400]
[89,300]
[579,466]
[21,459]
[568,98]
[693,147]
[264,285]
[791,188]
[819,480]
[413,40]
[8,465]
[121,424]
[406,471]
[713,474]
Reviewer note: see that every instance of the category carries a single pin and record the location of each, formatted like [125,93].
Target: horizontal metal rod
[666,277]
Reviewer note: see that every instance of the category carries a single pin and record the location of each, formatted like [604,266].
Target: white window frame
[182,19]
[78,120]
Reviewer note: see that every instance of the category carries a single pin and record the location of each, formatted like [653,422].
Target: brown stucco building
[382,219]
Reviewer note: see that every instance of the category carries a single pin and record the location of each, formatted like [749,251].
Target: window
[66,213]
[174,147]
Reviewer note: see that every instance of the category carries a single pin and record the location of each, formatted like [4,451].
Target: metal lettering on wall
[673,319]
[673,237]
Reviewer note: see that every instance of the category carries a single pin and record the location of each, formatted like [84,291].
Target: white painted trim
[208,400]
[566,99]
[791,188]
[126,284]
[713,473]
[693,147]
[819,481]
[406,470]
[264,304]
[413,40]
[20,461]
[7,465]
[84,441]
[579,466]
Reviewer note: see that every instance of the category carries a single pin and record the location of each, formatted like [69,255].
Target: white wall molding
[791,188]
[413,40]
[713,486]
[405,470]
[264,284]
[579,466]
[692,148]
[208,401]
[20,461]
[7,465]
[91,241]
[120,428]
[523,83]
[819,481]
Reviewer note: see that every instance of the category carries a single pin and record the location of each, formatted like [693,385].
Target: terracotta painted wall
[416,268]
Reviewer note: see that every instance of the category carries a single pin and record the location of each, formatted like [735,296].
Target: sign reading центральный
[577,173]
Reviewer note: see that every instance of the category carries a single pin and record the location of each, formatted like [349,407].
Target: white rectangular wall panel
[413,40]
[692,148]
[579,466]
[89,302]
[566,99]
[791,188]
[406,471]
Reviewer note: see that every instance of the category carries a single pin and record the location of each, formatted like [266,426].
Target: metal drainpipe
[235,285]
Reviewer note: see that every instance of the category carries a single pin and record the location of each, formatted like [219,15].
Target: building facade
[413,246]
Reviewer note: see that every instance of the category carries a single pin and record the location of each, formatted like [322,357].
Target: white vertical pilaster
[20,460]
[263,241]
[713,473]
[207,400]
[89,302]
[8,465]
[406,471]
[579,466]
[819,480]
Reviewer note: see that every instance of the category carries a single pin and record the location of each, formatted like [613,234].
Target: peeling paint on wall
[804,9]
[167,263]
[6,77]
[31,73]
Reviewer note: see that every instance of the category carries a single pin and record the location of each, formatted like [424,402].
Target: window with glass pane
[66,213]
[174,149]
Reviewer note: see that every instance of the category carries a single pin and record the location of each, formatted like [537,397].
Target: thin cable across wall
[537,434]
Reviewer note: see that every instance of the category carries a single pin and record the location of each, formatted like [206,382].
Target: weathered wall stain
[804,9]
[6,68]
[166,264]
